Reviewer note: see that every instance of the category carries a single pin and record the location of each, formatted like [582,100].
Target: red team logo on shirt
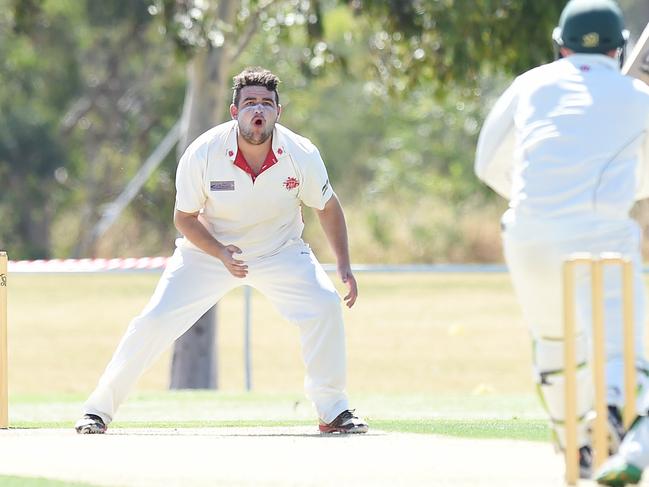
[291,183]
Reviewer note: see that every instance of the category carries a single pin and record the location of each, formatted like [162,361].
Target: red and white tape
[89,265]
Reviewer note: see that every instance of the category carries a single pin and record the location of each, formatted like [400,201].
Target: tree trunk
[193,366]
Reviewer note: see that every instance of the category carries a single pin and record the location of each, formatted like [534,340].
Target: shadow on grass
[215,432]
[485,428]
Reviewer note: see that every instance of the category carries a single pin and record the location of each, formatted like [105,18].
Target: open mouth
[258,122]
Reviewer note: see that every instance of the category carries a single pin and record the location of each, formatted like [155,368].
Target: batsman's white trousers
[293,280]
[534,252]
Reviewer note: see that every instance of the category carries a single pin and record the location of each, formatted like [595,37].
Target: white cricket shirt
[258,214]
[568,139]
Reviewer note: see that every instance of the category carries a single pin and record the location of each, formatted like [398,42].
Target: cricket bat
[637,64]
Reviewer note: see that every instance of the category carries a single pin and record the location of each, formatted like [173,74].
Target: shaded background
[393,93]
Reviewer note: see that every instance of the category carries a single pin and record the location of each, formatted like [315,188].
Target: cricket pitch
[275,456]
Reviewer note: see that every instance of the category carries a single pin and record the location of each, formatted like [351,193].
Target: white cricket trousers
[293,280]
[534,252]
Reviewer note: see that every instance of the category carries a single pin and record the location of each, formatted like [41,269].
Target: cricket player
[240,189]
[567,145]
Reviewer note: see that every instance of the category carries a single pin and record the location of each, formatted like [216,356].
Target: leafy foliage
[81,107]
[450,43]
[393,93]
[30,151]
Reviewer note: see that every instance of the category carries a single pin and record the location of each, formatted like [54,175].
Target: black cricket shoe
[345,423]
[90,424]
[585,462]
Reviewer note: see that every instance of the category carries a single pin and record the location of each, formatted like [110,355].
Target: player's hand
[235,266]
[349,279]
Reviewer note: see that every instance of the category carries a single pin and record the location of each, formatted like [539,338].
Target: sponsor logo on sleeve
[221,185]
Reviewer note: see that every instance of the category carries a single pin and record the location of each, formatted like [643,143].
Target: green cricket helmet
[591,26]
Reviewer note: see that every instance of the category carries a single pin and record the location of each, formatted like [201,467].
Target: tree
[81,108]
[93,115]
[454,43]
[409,39]
[30,152]
[212,36]
[122,87]
[119,112]
[194,358]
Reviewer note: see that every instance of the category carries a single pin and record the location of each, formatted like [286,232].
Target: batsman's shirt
[259,214]
[568,141]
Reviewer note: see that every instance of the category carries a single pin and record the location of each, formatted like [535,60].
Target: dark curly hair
[254,76]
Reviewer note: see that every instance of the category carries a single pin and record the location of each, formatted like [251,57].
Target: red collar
[241,163]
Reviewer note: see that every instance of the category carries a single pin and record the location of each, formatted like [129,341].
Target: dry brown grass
[426,230]
[413,333]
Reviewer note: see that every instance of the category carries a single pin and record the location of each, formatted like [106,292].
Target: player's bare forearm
[332,220]
[191,227]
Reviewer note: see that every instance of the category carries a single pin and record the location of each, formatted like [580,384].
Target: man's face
[256,114]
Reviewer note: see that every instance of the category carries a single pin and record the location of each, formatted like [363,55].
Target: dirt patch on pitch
[295,456]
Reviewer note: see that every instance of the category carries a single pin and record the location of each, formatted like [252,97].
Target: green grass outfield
[478,416]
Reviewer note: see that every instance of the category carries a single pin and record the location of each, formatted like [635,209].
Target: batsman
[567,145]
